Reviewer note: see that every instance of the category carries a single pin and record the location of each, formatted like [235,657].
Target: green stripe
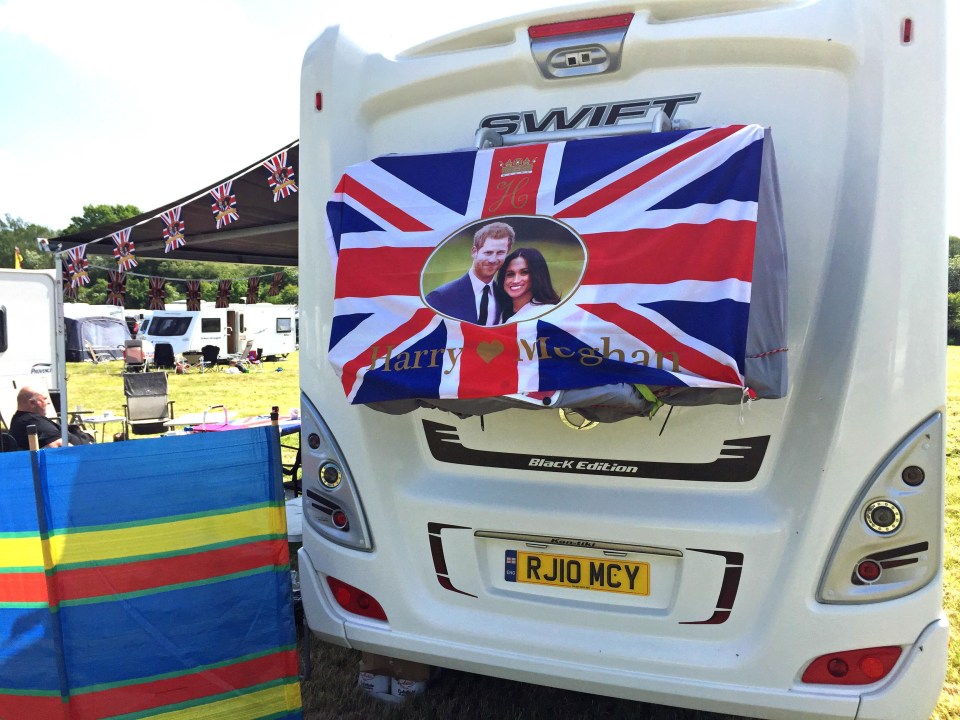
[19,535]
[161,520]
[172,553]
[113,597]
[206,700]
[191,671]
[22,570]
[17,692]
[22,605]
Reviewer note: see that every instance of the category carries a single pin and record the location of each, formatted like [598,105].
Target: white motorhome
[807,585]
[28,336]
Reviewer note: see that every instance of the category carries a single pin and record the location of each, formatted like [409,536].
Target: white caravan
[271,328]
[28,336]
[808,586]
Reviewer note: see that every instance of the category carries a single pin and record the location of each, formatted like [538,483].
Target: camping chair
[148,406]
[193,359]
[211,355]
[163,356]
[7,443]
[133,358]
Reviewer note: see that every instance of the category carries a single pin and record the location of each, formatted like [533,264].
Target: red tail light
[578,26]
[852,667]
[354,600]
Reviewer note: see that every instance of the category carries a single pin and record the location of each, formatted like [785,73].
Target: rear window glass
[210,325]
[284,325]
[169,326]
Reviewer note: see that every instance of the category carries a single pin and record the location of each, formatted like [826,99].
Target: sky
[123,102]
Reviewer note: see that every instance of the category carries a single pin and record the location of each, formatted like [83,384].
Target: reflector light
[852,667]
[906,31]
[354,600]
[318,101]
[869,570]
[339,519]
[571,27]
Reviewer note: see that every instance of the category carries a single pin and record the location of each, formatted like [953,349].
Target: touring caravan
[271,328]
[690,451]
[28,335]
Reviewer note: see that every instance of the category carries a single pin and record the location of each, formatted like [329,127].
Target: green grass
[331,691]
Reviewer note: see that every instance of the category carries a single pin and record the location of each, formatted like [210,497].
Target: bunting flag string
[117,288]
[158,293]
[123,251]
[280,176]
[193,295]
[223,293]
[77,266]
[173,229]
[275,284]
[253,289]
[224,204]
[69,290]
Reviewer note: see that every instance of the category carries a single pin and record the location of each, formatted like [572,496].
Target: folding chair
[211,355]
[133,358]
[163,356]
[148,405]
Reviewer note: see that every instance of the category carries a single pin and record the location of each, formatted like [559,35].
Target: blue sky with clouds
[112,101]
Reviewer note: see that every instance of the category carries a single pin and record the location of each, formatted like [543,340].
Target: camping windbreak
[655,262]
[160,594]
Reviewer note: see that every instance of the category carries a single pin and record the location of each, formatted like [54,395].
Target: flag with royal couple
[653,260]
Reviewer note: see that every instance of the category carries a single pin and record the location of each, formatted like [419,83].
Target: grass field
[330,693]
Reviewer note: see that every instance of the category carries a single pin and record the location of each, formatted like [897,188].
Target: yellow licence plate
[607,574]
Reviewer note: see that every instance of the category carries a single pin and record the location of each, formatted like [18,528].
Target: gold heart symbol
[489,350]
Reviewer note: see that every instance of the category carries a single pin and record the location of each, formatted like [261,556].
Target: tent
[102,335]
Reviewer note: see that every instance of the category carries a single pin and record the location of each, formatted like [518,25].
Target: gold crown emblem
[517,166]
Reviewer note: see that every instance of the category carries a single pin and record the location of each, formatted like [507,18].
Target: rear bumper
[910,692]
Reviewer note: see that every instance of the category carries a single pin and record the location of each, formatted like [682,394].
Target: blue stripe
[738,178]
[722,323]
[579,371]
[444,177]
[588,161]
[177,630]
[18,507]
[344,219]
[28,650]
[150,479]
[343,325]
[423,382]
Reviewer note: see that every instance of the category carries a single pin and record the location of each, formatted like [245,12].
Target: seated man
[31,410]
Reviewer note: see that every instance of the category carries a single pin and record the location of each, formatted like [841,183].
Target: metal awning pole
[60,361]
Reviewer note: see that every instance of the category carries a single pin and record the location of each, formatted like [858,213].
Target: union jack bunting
[275,284]
[223,293]
[224,204]
[77,265]
[280,176]
[193,295]
[158,293]
[662,250]
[173,228]
[69,291]
[116,287]
[123,250]
[253,290]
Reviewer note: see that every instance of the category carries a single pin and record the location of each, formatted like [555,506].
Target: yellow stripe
[284,698]
[82,547]
[21,552]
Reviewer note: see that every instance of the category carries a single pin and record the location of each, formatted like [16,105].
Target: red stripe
[617,189]
[132,577]
[25,587]
[514,193]
[184,688]
[719,250]
[383,208]
[488,363]
[30,706]
[660,341]
[384,345]
[373,272]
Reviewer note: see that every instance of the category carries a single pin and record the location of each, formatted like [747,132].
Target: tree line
[16,233]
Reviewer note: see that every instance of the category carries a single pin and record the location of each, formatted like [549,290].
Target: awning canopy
[265,233]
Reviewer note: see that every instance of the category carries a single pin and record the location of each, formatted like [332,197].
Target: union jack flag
[158,293]
[123,251]
[193,295]
[69,290]
[280,176]
[253,290]
[224,204]
[275,284]
[223,293]
[116,287]
[173,228]
[77,265]
[664,227]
